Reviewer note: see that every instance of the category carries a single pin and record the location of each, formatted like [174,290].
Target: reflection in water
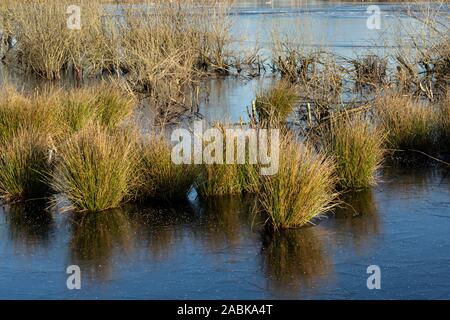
[410,179]
[215,249]
[95,236]
[294,260]
[358,216]
[30,225]
[223,221]
[158,228]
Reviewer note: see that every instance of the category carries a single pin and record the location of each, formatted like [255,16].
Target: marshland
[90,93]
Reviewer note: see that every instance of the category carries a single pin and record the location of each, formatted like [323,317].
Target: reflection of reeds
[29,225]
[294,260]
[95,237]
[223,219]
[358,215]
[161,227]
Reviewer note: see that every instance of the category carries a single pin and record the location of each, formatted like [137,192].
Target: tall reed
[443,125]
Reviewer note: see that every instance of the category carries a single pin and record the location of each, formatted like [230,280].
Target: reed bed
[357,147]
[303,188]
[151,41]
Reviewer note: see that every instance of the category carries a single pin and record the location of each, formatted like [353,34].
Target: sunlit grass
[357,147]
[24,163]
[275,104]
[302,189]
[409,123]
[161,178]
[96,169]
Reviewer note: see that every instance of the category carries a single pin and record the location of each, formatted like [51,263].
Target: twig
[423,153]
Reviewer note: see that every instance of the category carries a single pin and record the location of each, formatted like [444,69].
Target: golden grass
[302,189]
[24,162]
[274,105]
[357,147]
[97,169]
[161,179]
[409,123]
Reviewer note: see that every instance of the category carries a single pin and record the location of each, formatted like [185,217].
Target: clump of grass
[161,178]
[77,111]
[302,189]
[274,105]
[113,105]
[227,179]
[97,169]
[220,179]
[357,147]
[409,124]
[24,161]
[105,104]
[18,112]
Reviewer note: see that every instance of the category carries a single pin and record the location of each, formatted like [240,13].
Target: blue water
[215,250]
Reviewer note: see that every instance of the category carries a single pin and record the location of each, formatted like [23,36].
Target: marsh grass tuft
[302,189]
[220,179]
[274,105]
[23,165]
[105,104]
[19,112]
[409,123]
[97,169]
[161,179]
[357,147]
[114,105]
[226,179]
